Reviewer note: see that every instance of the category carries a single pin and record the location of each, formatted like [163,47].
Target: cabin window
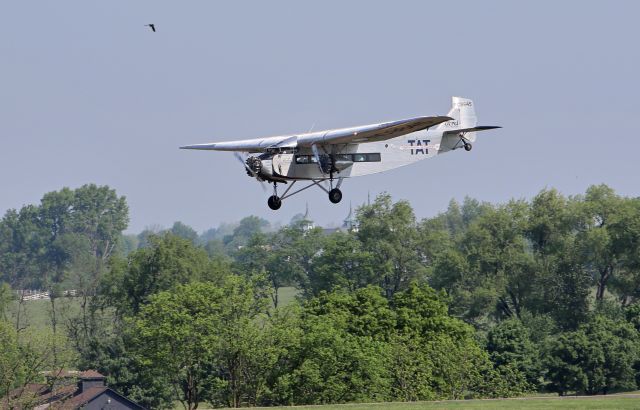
[370,157]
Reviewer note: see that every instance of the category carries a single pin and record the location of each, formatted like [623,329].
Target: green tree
[342,354]
[388,231]
[246,229]
[21,243]
[603,238]
[24,357]
[342,263]
[42,243]
[626,232]
[6,297]
[184,231]
[337,367]
[206,337]
[509,344]
[563,285]
[599,357]
[176,334]
[489,269]
[294,252]
[167,262]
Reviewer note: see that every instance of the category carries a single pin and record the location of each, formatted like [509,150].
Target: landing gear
[335,195]
[465,142]
[274,202]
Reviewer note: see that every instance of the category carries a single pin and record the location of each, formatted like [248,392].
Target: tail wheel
[335,195]
[274,202]
[467,146]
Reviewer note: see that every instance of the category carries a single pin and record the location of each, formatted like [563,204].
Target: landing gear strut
[335,195]
[465,142]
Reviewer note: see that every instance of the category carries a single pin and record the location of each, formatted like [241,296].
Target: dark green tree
[599,357]
[602,239]
[343,263]
[509,344]
[388,231]
[184,231]
[167,262]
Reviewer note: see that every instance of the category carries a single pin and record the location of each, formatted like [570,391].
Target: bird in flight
[153,27]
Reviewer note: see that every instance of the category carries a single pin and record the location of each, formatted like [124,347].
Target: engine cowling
[262,168]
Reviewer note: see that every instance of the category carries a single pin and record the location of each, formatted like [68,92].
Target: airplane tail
[464,116]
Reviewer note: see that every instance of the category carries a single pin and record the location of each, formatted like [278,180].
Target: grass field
[615,401]
[287,295]
[37,313]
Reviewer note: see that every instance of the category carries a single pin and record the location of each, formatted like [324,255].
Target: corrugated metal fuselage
[393,153]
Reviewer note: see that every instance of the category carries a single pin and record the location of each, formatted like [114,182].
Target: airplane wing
[365,133]
[371,133]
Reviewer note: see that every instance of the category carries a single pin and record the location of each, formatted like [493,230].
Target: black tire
[274,202]
[467,146]
[335,195]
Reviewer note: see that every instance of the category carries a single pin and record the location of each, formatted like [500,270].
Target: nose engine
[260,167]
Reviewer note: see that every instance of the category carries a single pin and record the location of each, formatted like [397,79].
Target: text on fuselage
[423,144]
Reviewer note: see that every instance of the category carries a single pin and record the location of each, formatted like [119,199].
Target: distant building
[350,223]
[61,393]
[306,223]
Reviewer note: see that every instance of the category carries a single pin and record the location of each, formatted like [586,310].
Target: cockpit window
[302,159]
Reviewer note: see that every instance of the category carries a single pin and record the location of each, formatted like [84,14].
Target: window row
[310,159]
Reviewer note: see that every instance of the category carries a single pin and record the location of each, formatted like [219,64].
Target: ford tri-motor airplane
[332,155]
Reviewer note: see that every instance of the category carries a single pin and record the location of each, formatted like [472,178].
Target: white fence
[31,294]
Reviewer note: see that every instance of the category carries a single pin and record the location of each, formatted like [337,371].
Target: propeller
[249,170]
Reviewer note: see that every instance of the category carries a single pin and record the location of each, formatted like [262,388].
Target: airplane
[332,155]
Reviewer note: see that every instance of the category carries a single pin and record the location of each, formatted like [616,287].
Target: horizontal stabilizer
[477,128]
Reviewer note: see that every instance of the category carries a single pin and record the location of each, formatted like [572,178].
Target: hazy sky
[88,94]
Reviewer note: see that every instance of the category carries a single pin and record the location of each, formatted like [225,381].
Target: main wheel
[467,146]
[335,195]
[274,202]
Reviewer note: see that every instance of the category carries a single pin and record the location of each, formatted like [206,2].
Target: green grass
[287,295]
[37,313]
[619,401]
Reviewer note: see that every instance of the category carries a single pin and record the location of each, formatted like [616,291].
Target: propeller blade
[249,170]
[243,161]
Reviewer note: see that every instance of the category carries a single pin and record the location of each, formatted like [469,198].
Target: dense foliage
[480,301]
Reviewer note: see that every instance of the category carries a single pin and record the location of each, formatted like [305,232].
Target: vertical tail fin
[464,116]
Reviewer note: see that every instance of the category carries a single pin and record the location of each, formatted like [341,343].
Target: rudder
[464,116]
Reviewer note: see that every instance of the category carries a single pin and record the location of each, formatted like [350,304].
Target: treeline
[480,301]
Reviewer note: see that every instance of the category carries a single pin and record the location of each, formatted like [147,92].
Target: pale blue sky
[88,94]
